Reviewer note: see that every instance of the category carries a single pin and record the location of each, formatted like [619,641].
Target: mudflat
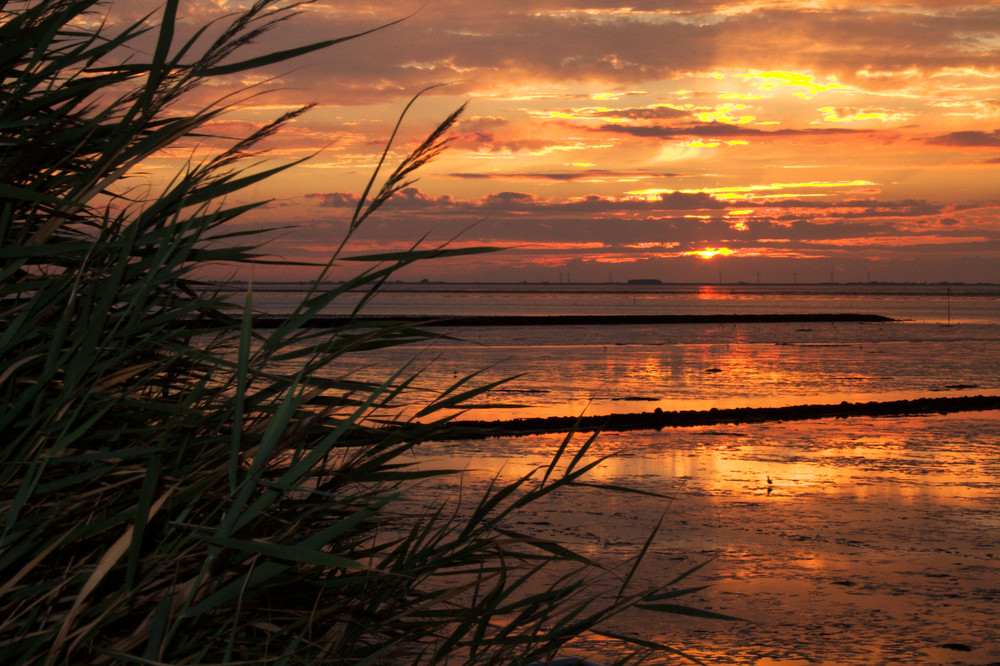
[877,542]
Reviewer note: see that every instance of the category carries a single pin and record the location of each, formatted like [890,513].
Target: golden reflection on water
[878,542]
[710,293]
[606,379]
[723,461]
[593,370]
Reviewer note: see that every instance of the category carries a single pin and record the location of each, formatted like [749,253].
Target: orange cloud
[900,241]
[574,111]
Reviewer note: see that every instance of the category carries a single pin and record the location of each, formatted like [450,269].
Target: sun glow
[746,192]
[768,80]
[722,114]
[834,115]
[710,252]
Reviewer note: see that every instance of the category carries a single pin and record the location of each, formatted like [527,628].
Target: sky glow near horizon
[692,140]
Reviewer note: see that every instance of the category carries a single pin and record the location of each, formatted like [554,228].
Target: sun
[710,252]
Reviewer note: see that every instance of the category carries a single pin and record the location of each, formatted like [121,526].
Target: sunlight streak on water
[623,369]
[879,541]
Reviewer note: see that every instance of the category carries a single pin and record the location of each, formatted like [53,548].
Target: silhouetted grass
[170,495]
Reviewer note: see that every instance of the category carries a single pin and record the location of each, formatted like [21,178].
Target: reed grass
[169,494]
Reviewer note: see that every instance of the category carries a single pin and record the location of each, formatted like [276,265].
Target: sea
[943,341]
[861,540]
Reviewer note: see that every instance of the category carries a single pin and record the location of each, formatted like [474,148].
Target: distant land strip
[273,321]
[657,420]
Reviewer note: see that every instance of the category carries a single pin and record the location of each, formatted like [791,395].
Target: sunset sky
[686,140]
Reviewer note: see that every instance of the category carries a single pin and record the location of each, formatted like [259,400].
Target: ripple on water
[879,541]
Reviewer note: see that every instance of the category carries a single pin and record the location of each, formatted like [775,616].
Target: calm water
[923,303]
[880,539]
[945,342]
[879,542]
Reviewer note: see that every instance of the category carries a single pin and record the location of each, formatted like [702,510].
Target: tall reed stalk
[167,493]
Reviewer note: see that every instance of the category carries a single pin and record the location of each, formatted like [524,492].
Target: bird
[769,481]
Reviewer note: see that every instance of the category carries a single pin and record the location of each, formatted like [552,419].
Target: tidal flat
[879,539]
[877,542]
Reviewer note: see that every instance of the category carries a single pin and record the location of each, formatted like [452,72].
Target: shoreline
[659,419]
[335,321]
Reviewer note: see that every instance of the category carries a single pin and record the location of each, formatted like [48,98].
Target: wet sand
[878,543]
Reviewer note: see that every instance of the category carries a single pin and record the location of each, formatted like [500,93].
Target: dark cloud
[493,143]
[689,201]
[907,208]
[523,218]
[412,198]
[564,176]
[334,199]
[479,46]
[968,139]
[409,198]
[594,204]
[799,211]
[511,199]
[637,113]
[716,129]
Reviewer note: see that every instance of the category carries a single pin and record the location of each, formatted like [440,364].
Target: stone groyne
[659,419]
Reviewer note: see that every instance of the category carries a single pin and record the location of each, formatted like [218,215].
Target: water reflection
[878,543]
[710,293]
[677,368]
[620,369]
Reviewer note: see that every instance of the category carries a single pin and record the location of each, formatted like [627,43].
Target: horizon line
[638,282]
